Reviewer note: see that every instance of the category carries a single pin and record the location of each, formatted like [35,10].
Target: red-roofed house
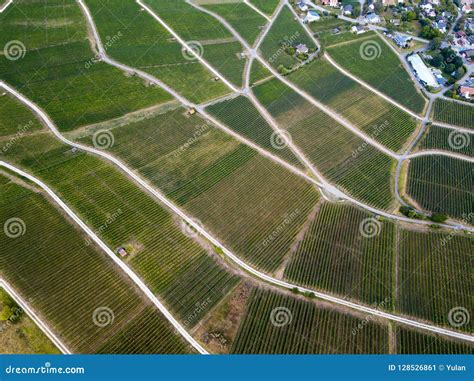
[466,92]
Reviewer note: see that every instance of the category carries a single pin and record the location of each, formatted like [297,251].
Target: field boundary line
[330,188]
[29,310]
[206,235]
[245,266]
[432,152]
[185,45]
[5,6]
[247,2]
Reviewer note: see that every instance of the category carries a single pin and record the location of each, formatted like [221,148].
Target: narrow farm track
[5,6]
[134,277]
[257,10]
[205,234]
[29,310]
[328,188]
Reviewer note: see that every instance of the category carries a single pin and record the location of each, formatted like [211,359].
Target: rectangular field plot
[266,6]
[72,284]
[374,62]
[19,333]
[441,184]
[454,113]
[216,179]
[346,252]
[143,43]
[240,115]
[434,276]
[411,341]
[446,139]
[212,39]
[14,119]
[243,19]
[277,323]
[340,156]
[57,69]
[284,32]
[373,115]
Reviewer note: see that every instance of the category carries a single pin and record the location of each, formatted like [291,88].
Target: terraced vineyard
[217,45]
[148,46]
[284,32]
[446,139]
[58,70]
[346,252]
[373,115]
[240,115]
[455,113]
[14,119]
[382,70]
[276,323]
[69,281]
[413,342]
[441,184]
[338,154]
[124,216]
[244,19]
[427,256]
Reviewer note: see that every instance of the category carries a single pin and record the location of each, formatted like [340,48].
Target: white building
[312,16]
[422,72]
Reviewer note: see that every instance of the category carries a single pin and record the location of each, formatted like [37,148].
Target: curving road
[203,232]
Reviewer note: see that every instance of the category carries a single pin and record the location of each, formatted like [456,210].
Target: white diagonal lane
[134,277]
[32,314]
[203,232]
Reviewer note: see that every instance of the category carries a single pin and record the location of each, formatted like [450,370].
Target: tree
[438,217]
[410,16]
[435,44]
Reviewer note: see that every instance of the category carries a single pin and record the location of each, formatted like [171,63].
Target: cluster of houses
[310,15]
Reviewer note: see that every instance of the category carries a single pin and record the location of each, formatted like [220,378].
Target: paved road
[5,6]
[134,277]
[267,278]
[31,313]
[213,240]
[331,189]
